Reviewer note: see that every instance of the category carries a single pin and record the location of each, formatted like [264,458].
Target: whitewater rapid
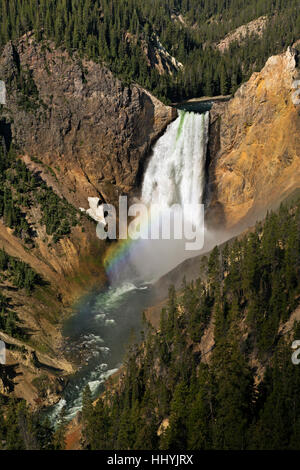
[98,334]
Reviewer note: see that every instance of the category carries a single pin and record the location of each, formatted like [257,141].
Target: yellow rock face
[255,146]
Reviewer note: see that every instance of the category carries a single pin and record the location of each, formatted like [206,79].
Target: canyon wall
[93,131]
[254,148]
[84,134]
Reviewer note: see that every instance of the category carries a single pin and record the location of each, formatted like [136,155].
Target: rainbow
[118,253]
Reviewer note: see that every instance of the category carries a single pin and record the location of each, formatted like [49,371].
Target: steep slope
[158,57]
[99,30]
[217,373]
[253,157]
[68,130]
[86,125]
[255,145]
[255,28]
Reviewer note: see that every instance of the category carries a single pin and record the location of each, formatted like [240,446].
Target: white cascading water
[176,171]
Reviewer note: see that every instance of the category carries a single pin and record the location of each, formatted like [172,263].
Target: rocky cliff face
[158,57]
[255,28]
[93,132]
[84,134]
[255,145]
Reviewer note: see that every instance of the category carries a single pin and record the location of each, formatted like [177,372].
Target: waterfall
[175,176]
[176,171]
